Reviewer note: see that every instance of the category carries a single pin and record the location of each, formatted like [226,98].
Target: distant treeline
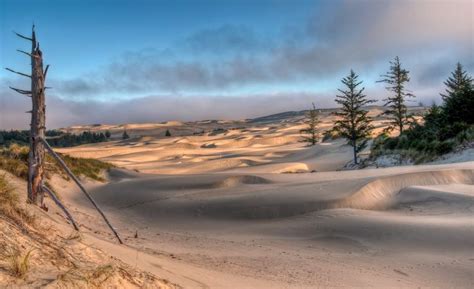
[55,138]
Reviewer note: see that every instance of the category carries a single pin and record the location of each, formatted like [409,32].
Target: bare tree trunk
[37,132]
[354,147]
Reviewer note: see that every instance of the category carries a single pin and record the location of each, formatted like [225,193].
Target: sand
[254,208]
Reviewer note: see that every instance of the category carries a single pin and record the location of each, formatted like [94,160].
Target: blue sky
[214,58]
[96,32]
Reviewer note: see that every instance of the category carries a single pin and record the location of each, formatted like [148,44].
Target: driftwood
[78,183]
[58,202]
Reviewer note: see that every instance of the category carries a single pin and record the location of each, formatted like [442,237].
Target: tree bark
[354,144]
[37,132]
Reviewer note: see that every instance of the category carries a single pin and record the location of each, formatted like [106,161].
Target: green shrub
[330,134]
[391,143]
[445,147]
[403,142]
[90,168]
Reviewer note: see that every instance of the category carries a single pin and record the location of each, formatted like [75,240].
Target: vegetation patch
[14,159]
[56,138]
[19,264]
[444,128]
[10,204]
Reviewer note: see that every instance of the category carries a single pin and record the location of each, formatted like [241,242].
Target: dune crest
[381,193]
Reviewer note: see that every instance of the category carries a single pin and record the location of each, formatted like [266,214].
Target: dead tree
[38,143]
[37,126]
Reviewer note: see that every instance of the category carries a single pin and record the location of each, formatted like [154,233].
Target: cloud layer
[155,108]
[187,80]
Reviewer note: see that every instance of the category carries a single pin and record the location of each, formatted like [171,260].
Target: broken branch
[74,178]
[45,71]
[29,54]
[21,91]
[60,205]
[20,73]
[22,36]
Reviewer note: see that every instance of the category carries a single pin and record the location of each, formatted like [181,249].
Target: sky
[116,61]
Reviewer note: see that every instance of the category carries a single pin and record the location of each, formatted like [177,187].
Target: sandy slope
[229,210]
[59,257]
[295,230]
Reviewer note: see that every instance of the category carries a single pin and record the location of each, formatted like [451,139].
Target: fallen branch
[74,178]
[58,202]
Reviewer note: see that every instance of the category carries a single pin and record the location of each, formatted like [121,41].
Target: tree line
[443,128]
[55,138]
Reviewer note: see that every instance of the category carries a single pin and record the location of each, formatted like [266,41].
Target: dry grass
[100,275]
[10,204]
[88,278]
[14,159]
[19,264]
[74,236]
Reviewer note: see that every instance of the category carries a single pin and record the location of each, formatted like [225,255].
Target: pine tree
[355,124]
[396,80]
[458,100]
[125,135]
[167,133]
[312,122]
[457,82]
[107,134]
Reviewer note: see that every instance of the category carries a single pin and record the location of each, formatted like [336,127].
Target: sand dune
[385,192]
[247,205]
[300,230]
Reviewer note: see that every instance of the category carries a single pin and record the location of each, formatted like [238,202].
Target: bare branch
[29,111]
[26,92]
[29,54]
[45,71]
[23,74]
[58,202]
[78,183]
[21,36]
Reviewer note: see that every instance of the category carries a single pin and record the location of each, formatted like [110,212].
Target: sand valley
[244,204]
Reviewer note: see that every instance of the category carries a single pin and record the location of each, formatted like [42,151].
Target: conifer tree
[396,80]
[311,135]
[458,100]
[457,82]
[167,133]
[355,124]
[107,134]
[125,135]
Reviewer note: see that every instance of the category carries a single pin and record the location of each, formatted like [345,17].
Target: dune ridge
[381,193]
